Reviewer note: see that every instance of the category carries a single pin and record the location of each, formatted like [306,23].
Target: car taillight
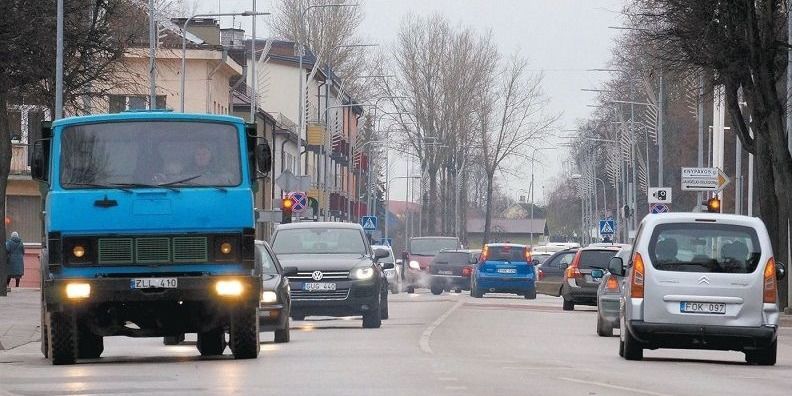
[484,253]
[540,274]
[467,271]
[572,271]
[637,277]
[528,257]
[612,285]
[770,286]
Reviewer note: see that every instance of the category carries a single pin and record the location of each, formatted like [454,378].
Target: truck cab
[149,225]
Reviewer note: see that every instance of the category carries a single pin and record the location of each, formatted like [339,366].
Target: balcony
[19,160]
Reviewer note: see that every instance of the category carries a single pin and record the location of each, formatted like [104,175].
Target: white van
[700,281]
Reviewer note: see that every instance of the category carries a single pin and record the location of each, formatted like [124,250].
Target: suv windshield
[705,248]
[319,241]
[452,258]
[596,258]
[150,153]
[431,246]
[505,253]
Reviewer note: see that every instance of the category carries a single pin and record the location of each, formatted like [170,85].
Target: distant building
[503,230]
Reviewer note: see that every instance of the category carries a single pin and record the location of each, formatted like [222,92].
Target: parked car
[554,247]
[504,268]
[275,305]
[552,271]
[584,275]
[337,271]
[609,293]
[393,275]
[420,253]
[451,270]
[701,281]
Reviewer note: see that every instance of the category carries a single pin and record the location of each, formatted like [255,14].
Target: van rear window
[701,247]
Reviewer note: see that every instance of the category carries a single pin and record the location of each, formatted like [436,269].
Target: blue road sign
[657,208]
[369,223]
[607,227]
[385,242]
[300,201]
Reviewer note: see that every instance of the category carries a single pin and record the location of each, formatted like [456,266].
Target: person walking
[16,259]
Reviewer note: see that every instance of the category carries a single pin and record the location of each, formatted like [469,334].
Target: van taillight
[612,284]
[770,286]
[637,277]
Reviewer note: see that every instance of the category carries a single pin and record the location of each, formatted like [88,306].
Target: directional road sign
[369,223]
[385,241]
[300,201]
[657,208]
[703,179]
[607,227]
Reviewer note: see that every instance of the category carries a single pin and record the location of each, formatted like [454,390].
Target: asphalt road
[432,345]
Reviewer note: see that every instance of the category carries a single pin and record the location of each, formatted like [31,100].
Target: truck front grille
[115,251]
[190,249]
[153,250]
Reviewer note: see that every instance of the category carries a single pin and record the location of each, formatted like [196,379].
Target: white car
[394,275]
[700,281]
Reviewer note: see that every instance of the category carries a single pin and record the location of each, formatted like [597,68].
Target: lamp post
[184,43]
[533,160]
[387,170]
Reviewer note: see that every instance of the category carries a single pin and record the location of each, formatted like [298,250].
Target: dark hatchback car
[275,303]
[552,272]
[451,270]
[583,276]
[337,271]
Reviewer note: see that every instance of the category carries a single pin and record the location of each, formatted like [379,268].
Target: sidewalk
[19,317]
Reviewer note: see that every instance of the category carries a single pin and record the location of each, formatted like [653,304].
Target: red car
[420,254]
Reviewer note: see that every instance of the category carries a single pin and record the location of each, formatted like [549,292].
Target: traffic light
[713,205]
[286,210]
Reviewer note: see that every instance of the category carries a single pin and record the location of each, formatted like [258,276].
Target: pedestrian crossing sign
[607,227]
[369,223]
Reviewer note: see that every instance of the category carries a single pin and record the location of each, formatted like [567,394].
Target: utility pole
[660,99]
[152,57]
[254,79]
[700,116]
[59,63]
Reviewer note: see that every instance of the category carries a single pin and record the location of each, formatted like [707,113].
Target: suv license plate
[312,287]
[705,308]
[154,283]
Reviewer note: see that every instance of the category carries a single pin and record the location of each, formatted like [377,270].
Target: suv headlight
[269,297]
[415,265]
[361,273]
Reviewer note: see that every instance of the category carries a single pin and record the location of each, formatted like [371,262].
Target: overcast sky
[562,38]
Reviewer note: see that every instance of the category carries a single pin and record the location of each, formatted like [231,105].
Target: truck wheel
[244,334]
[62,332]
[530,294]
[211,343]
[569,305]
[372,319]
[89,345]
[763,357]
[43,330]
[436,290]
[298,317]
[384,306]
[283,335]
[173,340]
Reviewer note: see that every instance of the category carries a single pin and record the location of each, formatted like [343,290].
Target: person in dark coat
[16,258]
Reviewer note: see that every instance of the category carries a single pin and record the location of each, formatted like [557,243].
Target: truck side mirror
[263,157]
[39,160]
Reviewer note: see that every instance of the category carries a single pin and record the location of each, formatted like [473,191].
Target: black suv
[337,271]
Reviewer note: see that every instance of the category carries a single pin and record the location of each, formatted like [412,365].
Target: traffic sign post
[300,200]
[369,223]
[607,227]
[703,179]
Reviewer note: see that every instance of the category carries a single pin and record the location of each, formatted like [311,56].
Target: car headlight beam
[415,265]
[269,297]
[362,273]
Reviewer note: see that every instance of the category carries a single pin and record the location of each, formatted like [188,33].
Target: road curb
[785,321]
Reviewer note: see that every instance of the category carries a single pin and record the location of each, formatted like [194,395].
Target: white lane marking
[427,333]
[448,379]
[611,386]
[456,387]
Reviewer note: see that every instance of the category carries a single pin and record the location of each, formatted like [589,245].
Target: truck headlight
[230,288]
[362,273]
[78,290]
[415,265]
[269,297]
[78,251]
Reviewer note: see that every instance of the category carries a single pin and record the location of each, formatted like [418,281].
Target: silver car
[701,281]
[394,275]
[609,293]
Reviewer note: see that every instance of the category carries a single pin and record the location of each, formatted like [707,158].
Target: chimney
[232,38]
[207,29]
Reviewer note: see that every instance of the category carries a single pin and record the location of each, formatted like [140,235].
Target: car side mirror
[388,265]
[597,273]
[380,253]
[263,157]
[616,266]
[289,271]
[780,270]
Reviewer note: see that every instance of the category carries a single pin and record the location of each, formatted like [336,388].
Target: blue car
[504,268]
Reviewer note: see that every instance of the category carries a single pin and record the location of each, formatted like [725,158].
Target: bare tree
[510,115]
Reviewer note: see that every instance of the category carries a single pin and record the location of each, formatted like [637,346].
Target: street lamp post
[533,160]
[387,169]
[184,44]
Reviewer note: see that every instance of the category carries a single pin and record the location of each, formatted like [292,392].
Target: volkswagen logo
[703,280]
[317,275]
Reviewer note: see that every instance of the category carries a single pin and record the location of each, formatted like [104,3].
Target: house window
[119,103]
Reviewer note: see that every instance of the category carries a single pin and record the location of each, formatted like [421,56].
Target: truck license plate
[705,308]
[318,287]
[154,283]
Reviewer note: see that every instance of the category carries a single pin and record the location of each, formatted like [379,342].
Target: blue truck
[149,231]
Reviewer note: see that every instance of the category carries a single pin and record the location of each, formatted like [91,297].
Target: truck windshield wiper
[145,185]
[111,185]
[188,179]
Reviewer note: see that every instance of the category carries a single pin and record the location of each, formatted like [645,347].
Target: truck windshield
[431,246]
[150,153]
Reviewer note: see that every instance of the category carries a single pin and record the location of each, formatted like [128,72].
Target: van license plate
[705,308]
[319,287]
[154,283]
